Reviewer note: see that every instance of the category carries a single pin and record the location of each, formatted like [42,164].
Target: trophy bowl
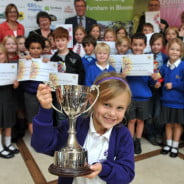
[72,159]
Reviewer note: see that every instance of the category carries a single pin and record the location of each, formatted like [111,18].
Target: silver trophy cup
[71,160]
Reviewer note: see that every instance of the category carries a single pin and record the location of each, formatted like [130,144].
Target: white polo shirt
[97,146]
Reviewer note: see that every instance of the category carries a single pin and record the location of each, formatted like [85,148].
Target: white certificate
[59,78]
[153,17]
[116,62]
[8,73]
[138,65]
[111,45]
[35,69]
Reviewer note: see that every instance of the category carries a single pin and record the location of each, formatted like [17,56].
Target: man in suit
[80,18]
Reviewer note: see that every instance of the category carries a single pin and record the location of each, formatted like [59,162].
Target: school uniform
[118,167]
[173,99]
[87,61]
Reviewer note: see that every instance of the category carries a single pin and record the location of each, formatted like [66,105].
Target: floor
[30,167]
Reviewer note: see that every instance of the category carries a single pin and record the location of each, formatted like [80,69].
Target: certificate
[116,62]
[8,73]
[35,69]
[153,17]
[138,65]
[59,78]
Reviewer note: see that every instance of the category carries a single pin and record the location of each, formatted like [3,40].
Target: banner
[171,11]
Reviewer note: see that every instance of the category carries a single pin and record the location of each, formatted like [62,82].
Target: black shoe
[3,155]
[173,154]
[164,151]
[153,141]
[137,147]
[11,149]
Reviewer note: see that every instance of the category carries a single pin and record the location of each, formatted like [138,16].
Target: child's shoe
[137,146]
[165,150]
[174,152]
[11,148]
[6,154]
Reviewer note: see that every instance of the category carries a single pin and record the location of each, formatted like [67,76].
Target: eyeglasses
[80,6]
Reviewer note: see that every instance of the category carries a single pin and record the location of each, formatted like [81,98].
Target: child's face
[11,46]
[109,36]
[35,50]
[95,32]
[109,113]
[138,46]
[174,52]
[121,33]
[47,49]
[3,58]
[89,49]
[21,44]
[61,43]
[122,48]
[147,30]
[102,57]
[79,35]
[171,35]
[157,46]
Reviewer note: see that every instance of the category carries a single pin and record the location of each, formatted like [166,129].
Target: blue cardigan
[93,72]
[119,166]
[173,98]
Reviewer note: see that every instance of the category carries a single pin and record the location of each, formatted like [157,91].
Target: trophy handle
[93,87]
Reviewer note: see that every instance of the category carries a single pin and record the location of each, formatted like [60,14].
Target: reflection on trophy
[71,160]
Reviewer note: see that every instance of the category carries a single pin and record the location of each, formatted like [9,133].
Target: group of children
[118,92]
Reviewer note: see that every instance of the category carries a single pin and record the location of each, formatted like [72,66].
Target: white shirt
[173,65]
[97,146]
[81,52]
[102,68]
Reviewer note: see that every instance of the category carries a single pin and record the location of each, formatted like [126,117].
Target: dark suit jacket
[73,21]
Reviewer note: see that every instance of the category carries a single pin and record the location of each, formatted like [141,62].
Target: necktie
[80,21]
[78,49]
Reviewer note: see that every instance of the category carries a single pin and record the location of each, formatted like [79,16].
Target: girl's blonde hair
[4,50]
[102,47]
[120,41]
[7,37]
[177,41]
[111,84]
[175,29]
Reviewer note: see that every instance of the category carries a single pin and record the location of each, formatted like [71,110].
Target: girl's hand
[157,85]
[97,168]
[15,84]
[168,85]
[45,60]
[156,76]
[28,57]
[44,96]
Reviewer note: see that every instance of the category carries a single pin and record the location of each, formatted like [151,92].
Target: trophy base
[69,172]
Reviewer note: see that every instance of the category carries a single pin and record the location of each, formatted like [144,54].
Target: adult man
[153,5]
[80,18]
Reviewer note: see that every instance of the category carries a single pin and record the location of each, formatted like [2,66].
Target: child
[141,94]
[89,43]
[147,28]
[10,44]
[155,130]
[50,37]
[7,120]
[79,34]
[121,32]
[35,45]
[22,52]
[173,96]
[122,45]
[95,31]
[69,61]
[171,33]
[47,49]
[102,127]
[102,52]
[110,35]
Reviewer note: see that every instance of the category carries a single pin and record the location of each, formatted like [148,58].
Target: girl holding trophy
[109,143]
